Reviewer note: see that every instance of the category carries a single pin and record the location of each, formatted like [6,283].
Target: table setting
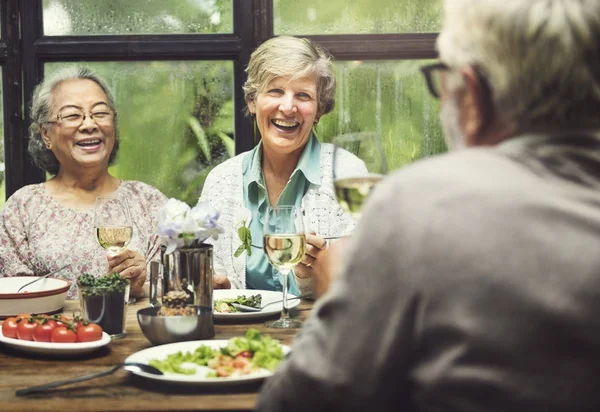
[184,337]
[22,369]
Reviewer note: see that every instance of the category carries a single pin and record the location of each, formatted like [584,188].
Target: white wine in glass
[352,186]
[114,238]
[112,224]
[284,244]
[351,192]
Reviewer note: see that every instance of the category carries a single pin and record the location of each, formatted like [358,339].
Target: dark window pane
[176,121]
[356,17]
[2,163]
[390,98]
[89,17]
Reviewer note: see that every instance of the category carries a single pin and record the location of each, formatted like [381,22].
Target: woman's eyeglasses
[73,117]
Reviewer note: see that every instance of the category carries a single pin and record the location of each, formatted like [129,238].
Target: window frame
[22,41]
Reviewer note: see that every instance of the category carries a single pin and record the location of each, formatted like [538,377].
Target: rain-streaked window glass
[176,121]
[93,17]
[296,17]
[391,99]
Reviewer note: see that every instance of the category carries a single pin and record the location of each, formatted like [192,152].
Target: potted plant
[103,301]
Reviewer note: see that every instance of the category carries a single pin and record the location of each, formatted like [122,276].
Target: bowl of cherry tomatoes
[44,296]
[53,334]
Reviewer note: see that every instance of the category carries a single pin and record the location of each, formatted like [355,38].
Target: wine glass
[352,185]
[113,227]
[284,244]
[112,223]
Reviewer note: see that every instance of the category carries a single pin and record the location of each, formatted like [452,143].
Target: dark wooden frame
[24,50]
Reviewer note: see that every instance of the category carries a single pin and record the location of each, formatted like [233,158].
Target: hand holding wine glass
[353,186]
[113,229]
[284,244]
[112,223]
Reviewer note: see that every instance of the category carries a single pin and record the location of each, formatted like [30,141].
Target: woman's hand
[221,281]
[310,265]
[321,262]
[131,265]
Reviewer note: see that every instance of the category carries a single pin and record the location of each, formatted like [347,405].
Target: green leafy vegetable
[225,305]
[246,237]
[265,351]
[173,362]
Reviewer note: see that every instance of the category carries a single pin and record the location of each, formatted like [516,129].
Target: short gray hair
[541,57]
[285,56]
[41,106]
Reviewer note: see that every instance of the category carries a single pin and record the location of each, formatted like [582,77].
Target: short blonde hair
[541,57]
[287,56]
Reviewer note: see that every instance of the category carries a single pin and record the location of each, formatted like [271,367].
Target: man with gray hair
[473,280]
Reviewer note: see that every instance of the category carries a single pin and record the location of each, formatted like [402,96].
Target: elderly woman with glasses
[290,85]
[45,226]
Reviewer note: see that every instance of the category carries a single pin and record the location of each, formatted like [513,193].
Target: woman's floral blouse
[38,235]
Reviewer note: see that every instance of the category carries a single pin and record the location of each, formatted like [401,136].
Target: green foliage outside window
[308,17]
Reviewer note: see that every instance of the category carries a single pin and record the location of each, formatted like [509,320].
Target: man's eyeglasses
[433,77]
[73,117]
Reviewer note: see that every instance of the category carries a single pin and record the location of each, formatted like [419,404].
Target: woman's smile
[90,144]
[285,125]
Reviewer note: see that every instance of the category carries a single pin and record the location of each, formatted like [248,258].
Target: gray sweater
[472,284]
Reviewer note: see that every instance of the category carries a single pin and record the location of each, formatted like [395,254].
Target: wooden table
[121,391]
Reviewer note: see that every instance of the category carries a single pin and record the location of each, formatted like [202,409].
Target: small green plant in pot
[103,301]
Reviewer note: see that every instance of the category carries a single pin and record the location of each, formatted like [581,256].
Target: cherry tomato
[9,328]
[41,318]
[89,332]
[25,328]
[43,331]
[61,334]
[61,320]
[23,316]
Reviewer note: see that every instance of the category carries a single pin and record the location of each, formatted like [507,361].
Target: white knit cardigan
[224,190]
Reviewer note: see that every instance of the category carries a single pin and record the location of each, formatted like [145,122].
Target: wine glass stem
[285,314]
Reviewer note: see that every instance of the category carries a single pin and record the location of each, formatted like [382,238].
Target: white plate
[162,351]
[55,349]
[267,296]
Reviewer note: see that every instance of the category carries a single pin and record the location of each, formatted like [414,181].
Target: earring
[47,145]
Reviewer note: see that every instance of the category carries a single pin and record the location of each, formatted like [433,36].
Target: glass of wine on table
[353,185]
[284,244]
[112,225]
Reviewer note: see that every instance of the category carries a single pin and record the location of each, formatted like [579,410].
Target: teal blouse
[260,274]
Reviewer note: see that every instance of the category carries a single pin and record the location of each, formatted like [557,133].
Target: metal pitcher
[187,269]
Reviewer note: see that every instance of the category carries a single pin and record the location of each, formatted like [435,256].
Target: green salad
[225,305]
[241,356]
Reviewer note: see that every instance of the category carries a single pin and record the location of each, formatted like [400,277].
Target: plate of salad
[222,298]
[214,362]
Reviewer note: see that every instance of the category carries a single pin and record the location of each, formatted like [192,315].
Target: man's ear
[474,108]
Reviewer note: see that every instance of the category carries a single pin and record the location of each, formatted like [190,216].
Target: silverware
[244,308]
[130,366]
[43,277]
